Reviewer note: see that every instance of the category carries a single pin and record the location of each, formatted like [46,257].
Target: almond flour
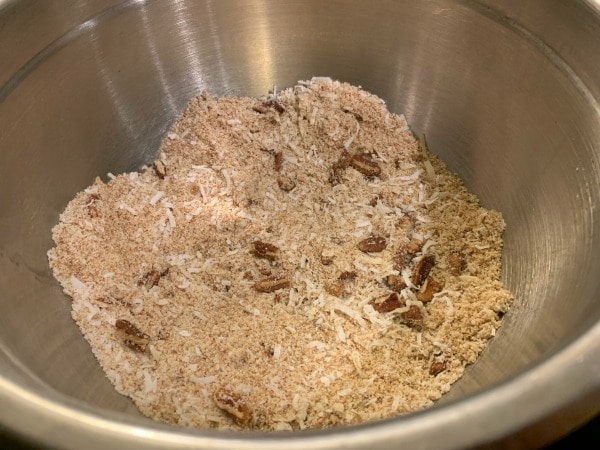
[288,262]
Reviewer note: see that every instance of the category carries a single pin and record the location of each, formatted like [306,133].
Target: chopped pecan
[364,163]
[373,244]
[391,303]
[422,269]
[234,405]
[404,255]
[160,169]
[413,316]
[151,278]
[406,223]
[347,275]
[456,263]
[277,161]
[269,104]
[265,250]
[326,260]
[272,284]
[395,282]
[430,287]
[277,106]
[132,336]
[286,184]
[437,367]
[337,170]
[91,205]
[261,109]
[374,200]
[414,246]
[335,288]
[92,211]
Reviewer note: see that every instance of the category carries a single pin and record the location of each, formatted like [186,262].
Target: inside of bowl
[95,89]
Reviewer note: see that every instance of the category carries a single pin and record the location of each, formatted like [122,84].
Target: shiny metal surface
[506,91]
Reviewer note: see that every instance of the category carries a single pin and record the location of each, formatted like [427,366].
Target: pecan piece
[430,287]
[151,278]
[414,246]
[395,282]
[91,205]
[286,184]
[277,161]
[404,255]
[326,260]
[456,263]
[413,316]
[347,275]
[389,304]
[271,284]
[132,336]
[233,405]
[437,367]
[365,165]
[374,200]
[336,288]
[259,109]
[337,170]
[422,269]
[277,106]
[160,169]
[373,244]
[265,250]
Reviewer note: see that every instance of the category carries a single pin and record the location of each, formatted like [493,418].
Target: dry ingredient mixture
[288,262]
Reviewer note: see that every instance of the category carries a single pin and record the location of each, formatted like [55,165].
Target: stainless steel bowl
[507,93]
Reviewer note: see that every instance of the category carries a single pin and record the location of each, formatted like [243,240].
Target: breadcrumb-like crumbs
[289,262]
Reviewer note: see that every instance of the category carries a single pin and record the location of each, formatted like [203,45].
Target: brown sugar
[267,270]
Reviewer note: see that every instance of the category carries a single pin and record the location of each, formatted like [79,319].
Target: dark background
[587,437]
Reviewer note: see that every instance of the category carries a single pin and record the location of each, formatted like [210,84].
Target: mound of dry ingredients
[289,262]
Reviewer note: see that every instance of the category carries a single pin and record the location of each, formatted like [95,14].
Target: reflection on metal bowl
[507,93]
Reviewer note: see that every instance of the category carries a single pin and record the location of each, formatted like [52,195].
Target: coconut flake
[203,380]
[156,197]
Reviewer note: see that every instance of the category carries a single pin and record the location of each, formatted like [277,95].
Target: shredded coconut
[294,261]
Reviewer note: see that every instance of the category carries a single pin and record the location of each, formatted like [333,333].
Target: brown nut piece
[271,284]
[422,269]
[347,275]
[286,184]
[456,263]
[233,405]
[395,282]
[437,367]
[414,246]
[160,169]
[265,251]
[373,244]
[326,260]
[132,336]
[335,288]
[391,303]
[149,279]
[430,287]
[337,170]
[413,316]
[277,161]
[365,165]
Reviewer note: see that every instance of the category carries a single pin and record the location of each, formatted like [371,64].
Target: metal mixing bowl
[506,91]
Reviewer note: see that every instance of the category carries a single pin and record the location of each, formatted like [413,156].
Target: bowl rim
[564,381]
